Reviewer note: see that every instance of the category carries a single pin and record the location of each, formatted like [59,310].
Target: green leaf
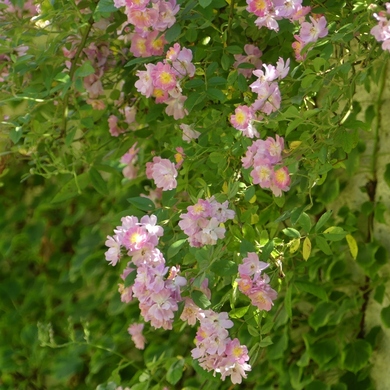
[144,204]
[16,134]
[173,33]
[217,81]
[334,233]
[287,301]
[175,372]
[129,281]
[385,316]
[386,175]
[265,342]
[312,288]
[223,267]
[105,6]
[306,248]
[322,314]
[322,221]
[234,49]
[84,70]
[200,299]
[193,100]
[266,251]
[305,222]
[347,139]
[353,248]
[205,3]
[357,355]
[98,182]
[175,248]
[323,245]
[216,94]
[72,188]
[238,312]
[291,232]
[276,350]
[323,351]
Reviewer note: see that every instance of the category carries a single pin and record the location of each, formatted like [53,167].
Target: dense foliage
[205,143]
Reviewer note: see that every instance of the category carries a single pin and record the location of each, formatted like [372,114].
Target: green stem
[378,122]
[230,22]
[72,71]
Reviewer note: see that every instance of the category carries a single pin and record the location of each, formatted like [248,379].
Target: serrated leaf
[98,182]
[357,355]
[323,351]
[322,221]
[200,299]
[353,248]
[306,250]
[144,204]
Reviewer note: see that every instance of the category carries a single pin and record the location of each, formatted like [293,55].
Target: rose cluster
[264,156]
[202,222]
[268,98]
[214,349]
[381,31]
[309,32]
[157,293]
[162,80]
[150,18]
[255,285]
[268,12]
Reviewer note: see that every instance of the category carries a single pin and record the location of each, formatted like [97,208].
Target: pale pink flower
[113,254]
[259,7]
[310,32]
[280,181]
[145,83]
[163,172]
[252,56]
[241,118]
[189,133]
[167,11]
[163,76]
[175,107]
[135,330]
[139,46]
[262,174]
